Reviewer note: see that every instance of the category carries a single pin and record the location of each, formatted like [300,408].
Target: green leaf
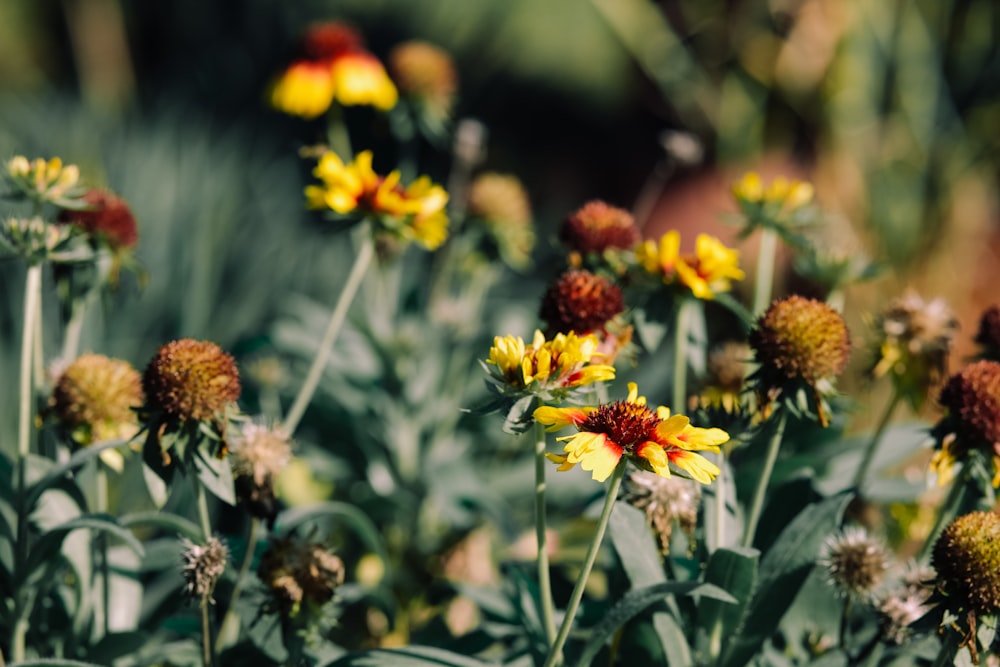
[155,486]
[215,474]
[50,542]
[53,662]
[652,320]
[636,601]
[78,458]
[358,520]
[636,547]
[733,570]
[164,520]
[411,656]
[782,572]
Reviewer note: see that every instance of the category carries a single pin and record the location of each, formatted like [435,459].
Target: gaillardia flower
[856,563]
[915,339]
[106,219]
[190,380]
[654,440]
[596,227]
[967,559]
[499,203]
[306,89]
[296,572]
[582,302]
[95,399]
[414,213]
[781,193]
[972,423]
[45,180]
[562,363]
[800,344]
[708,272]
[988,335]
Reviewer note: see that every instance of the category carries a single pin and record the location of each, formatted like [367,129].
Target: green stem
[201,501]
[337,136]
[555,653]
[757,504]
[720,502]
[680,356]
[361,262]
[207,657]
[544,578]
[765,270]
[946,513]
[845,614]
[859,477]
[101,505]
[229,630]
[74,331]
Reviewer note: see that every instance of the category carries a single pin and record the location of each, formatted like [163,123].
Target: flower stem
[859,477]
[361,262]
[337,136]
[757,503]
[765,270]
[720,502]
[555,653]
[229,630]
[946,513]
[680,356]
[206,633]
[32,304]
[101,505]
[544,577]
[201,500]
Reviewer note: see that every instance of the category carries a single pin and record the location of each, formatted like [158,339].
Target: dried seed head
[203,564]
[856,562]
[296,571]
[989,332]
[801,338]
[190,379]
[499,199]
[596,227]
[259,455]
[582,302]
[107,217]
[96,397]
[425,72]
[967,559]
[972,398]
[665,500]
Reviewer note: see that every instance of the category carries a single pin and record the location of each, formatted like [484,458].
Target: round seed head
[190,379]
[801,338]
[596,227]
[972,397]
[967,559]
[581,301]
[96,397]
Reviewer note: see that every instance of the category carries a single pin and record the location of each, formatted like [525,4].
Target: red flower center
[628,425]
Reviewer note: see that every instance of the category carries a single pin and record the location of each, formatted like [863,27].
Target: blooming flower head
[708,272]
[562,363]
[581,301]
[781,192]
[798,341]
[45,180]
[988,335]
[203,564]
[191,380]
[916,338]
[298,573]
[596,227]
[653,439]
[426,74]
[856,563]
[414,213]
[499,203]
[334,67]
[972,422]
[107,218]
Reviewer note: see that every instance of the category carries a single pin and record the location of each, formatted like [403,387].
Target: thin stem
[544,578]
[228,631]
[845,614]
[946,513]
[337,136]
[720,502]
[201,500]
[74,331]
[37,351]
[859,477]
[361,262]
[207,657]
[101,505]
[555,653]
[32,304]
[757,503]
[680,356]
[765,269]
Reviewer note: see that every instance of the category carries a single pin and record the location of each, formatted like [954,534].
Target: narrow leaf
[168,522]
[51,541]
[78,458]
[410,656]
[733,570]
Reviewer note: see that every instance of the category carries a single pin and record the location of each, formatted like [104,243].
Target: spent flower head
[967,559]
[300,574]
[988,335]
[260,452]
[106,219]
[800,344]
[907,601]
[654,440]
[971,425]
[597,228]
[45,181]
[499,204]
[412,213]
[666,501]
[915,338]
[202,565]
[425,74]
[582,302]
[191,380]
[707,272]
[856,563]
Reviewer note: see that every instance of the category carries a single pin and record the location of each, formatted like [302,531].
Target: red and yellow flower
[561,363]
[653,439]
[414,213]
[709,271]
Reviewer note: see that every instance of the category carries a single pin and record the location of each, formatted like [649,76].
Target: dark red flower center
[626,424]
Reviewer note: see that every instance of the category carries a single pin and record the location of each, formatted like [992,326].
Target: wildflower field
[446,333]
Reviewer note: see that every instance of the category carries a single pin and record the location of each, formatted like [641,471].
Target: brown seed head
[425,72]
[972,397]
[665,500]
[96,397]
[967,559]
[500,199]
[596,227]
[203,564]
[581,302]
[190,379]
[855,561]
[297,571]
[107,217]
[801,338]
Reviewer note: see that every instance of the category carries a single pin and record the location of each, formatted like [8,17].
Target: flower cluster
[562,363]
[334,68]
[43,180]
[781,194]
[653,439]
[709,271]
[414,213]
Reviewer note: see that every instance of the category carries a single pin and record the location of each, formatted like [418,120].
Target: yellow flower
[560,363]
[360,79]
[305,89]
[344,185]
[654,440]
[44,180]
[708,272]
[787,194]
